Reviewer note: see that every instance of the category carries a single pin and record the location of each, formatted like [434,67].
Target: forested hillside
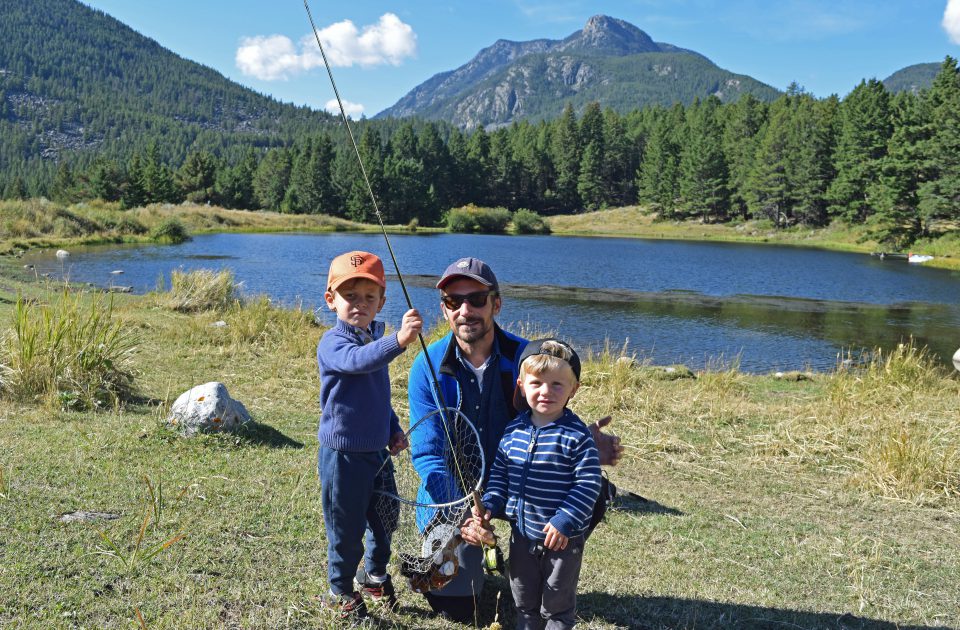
[77,84]
[913,78]
[169,130]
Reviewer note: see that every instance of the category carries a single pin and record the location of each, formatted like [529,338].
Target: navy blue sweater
[355,410]
[543,475]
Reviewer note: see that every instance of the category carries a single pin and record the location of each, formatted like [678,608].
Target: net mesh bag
[425,513]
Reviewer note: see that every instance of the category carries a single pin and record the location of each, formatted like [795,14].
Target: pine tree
[504,170]
[310,190]
[407,191]
[460,188]
[620,161]
[437,166]
[271,179]
[105,180]
[658,178]
[703,170]
[134,191]
[566,152]
[477,169]
[196,177]
[591,186]
[64,185]
[897,220]
[157,178]
[865,129]
[358,204]
[939,198]
[767,185]
[809,169]
[234,184]
[743,122]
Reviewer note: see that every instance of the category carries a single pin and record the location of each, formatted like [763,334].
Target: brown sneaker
[381,593]
[349,605]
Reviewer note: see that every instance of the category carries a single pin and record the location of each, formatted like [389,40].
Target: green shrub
[492,220]
[529,222]
[460,220]
[200,290]
[72,352]
[470,218]
[170,231]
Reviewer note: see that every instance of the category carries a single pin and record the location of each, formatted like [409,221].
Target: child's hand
[398,442]
[409,328]
[555,541]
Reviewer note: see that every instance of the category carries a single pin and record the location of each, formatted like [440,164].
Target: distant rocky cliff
[610,61]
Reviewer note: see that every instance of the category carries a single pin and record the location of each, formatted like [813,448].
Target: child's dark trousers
[544,583]
[351,510]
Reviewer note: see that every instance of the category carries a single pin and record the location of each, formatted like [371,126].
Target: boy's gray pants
[544,583]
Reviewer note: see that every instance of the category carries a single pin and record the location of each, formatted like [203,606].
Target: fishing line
[437,393]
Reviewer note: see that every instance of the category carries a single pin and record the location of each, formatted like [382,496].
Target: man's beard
[472,335]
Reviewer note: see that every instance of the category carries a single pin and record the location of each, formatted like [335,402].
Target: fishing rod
[437,393]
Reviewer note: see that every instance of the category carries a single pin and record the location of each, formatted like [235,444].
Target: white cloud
[354,110]
[272,57]
[268,57]
[951,20]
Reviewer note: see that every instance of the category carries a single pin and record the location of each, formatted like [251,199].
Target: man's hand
[555,541]
[398,442]
[475,533]
[607,443]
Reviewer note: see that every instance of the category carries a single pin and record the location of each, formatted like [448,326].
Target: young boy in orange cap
[358,431]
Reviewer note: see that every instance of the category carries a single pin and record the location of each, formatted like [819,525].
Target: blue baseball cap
[472,268]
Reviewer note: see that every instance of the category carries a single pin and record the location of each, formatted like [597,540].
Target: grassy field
[41,223]
[830,501]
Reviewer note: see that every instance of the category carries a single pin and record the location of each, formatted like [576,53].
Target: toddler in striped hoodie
[545,480]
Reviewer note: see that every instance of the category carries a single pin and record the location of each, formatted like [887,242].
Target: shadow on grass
[656,613]
[627,501]
[258,434]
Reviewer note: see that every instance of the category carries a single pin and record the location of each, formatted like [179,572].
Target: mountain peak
[608,35]
[608,61]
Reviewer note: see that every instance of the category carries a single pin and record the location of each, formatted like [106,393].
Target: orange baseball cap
[352,265]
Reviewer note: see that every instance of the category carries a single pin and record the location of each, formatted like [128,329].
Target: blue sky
[381,50]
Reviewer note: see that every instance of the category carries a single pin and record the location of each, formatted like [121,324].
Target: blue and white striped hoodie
[543,475]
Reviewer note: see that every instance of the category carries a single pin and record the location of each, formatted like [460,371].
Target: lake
[770,307]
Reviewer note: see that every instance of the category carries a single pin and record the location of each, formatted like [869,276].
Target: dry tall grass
[200,290]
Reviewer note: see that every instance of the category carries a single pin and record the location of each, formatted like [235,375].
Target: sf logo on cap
[356,260]
[463,264]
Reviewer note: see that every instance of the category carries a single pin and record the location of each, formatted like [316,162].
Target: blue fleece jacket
[428,439]
[356,414]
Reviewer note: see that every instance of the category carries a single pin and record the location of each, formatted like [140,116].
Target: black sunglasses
[476,300]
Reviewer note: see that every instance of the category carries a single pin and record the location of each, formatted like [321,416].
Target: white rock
[956,359]
[207,408]
[219,324]
[116,272]
[62,253]
[778,375]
